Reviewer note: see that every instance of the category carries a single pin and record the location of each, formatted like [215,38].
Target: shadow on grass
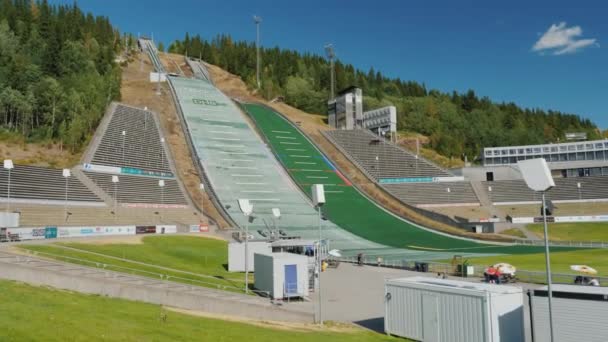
[374,324]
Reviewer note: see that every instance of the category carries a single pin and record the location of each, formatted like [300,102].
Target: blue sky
[495,49]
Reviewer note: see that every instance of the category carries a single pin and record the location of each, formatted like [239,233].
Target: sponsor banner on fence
[199,228]
[561,219]
[101,168]
[420,180]
[64,232]
[125,171]
[145,230]
[154,206]
[139,172]
[28,233]
[593,218]
[166,229]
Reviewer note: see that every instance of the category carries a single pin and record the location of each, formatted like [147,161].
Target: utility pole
[257,20]
[329,51]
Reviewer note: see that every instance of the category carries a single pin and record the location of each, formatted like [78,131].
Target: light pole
[449,194]
[124,136]
[8,165]
[257,20]
[276,213]
[115,182]
[378,168]
[247,209]
[580,198]
[201,186]
[537,176]
[318,198]
[329,51]
[161,184]
[66,175]
[162,153]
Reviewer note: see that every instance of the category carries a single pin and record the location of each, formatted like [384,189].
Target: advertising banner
[166,229]
[145,230]
[199,228]
[65,232]
[101,168]
[420,180]
[28,233]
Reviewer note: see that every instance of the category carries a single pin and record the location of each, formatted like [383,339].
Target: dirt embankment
[312,124]
[137,91]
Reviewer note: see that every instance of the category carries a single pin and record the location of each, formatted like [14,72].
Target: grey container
[438,310]
[580,313]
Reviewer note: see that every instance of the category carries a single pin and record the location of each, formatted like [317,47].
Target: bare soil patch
[137,91]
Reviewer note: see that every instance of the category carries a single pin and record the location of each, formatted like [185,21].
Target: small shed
[579,313]
[440,310]
[283,275]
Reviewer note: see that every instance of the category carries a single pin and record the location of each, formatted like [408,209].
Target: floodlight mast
[329,51]
[537,176]
[257,20]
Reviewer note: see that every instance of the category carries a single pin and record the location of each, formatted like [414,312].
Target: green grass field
[198,255]
[560,262]
[584,231]
[30,313]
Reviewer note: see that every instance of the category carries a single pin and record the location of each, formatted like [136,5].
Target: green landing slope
[345,205]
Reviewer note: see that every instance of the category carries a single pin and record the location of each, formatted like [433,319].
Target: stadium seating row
[381,159]
[139,147]
[40,183]
[566,189]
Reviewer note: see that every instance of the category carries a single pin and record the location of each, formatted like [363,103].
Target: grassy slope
[185,253]
[39,314]
[346,207]
[584,231]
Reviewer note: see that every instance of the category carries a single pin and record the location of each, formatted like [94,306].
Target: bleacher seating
[40,183]
[142,142]
[137,189]
[392,161]
[421,194]
[566,189]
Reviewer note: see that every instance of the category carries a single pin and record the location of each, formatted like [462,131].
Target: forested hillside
[57,71]
[456,123]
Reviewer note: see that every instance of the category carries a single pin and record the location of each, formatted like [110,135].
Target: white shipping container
[282,275]
[236,254]
[579,313]
[439,310]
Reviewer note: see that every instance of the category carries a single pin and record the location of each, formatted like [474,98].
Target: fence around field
[210,282]
[524,276]
[581,244]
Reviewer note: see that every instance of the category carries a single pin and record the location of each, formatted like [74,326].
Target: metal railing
[524,276]
[143,273]
[580,244]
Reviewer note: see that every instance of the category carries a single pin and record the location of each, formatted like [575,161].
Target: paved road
[356,294]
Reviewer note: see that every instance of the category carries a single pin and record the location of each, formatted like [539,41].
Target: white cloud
[561,39]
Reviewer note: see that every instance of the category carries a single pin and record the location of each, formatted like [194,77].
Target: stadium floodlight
[115,182]
[201,187]
[66,174]
[537,176]
[8,165]
[330,53]
[257,20]
[124,136]
[247,209]
[162,151]
[318,198]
